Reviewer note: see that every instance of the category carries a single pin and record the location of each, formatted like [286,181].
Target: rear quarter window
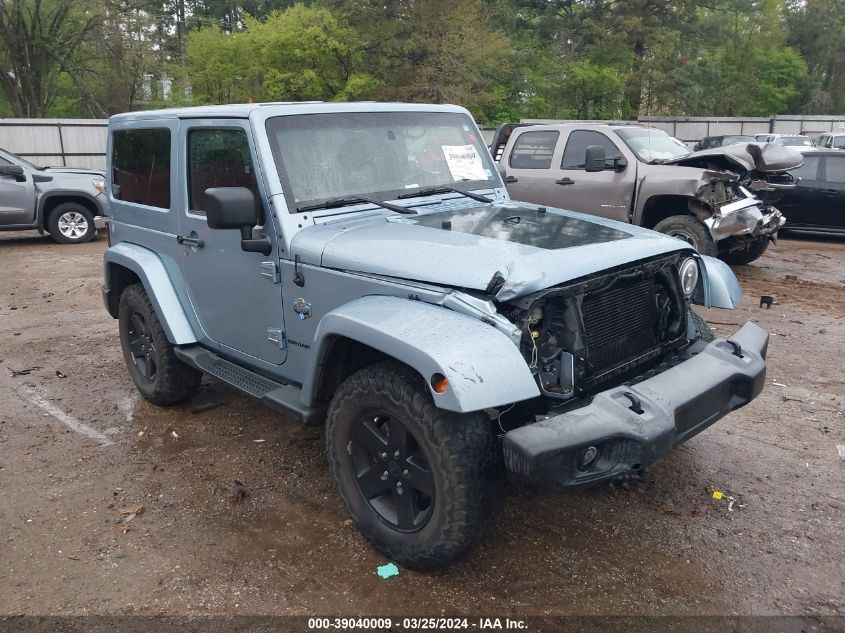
[534,150]
[140,166]
[809,170]
[835,169]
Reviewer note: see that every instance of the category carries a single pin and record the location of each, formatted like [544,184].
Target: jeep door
[608,193]
[236,295]
[17,197]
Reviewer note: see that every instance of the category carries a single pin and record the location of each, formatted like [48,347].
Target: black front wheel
[416,480]
[747,253]
[156,371]
[71,223]
[691,230]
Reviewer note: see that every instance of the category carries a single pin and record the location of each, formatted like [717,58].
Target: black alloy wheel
[392,471]
[141,347]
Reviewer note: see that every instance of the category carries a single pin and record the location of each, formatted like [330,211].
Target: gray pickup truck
[66,202]
[714,199]
[361,265]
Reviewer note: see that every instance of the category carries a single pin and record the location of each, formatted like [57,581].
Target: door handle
[511,179]
[565,181]
[829,192]
[189,241]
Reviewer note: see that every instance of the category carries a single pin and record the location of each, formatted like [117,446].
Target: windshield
[376,154]
[796,141]
[18,159]
[650,145]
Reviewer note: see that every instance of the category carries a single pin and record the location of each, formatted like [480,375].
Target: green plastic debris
[388,570]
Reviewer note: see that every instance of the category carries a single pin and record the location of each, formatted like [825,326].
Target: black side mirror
[595,158]
[12,170]
[236,208]
[620,162]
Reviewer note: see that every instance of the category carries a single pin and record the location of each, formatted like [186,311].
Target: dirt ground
[240,515]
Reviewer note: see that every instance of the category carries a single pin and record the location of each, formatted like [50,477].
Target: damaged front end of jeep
[624,370]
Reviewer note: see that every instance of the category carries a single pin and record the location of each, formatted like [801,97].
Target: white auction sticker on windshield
[464,162]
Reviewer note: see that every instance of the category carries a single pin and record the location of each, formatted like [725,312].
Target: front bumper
[630,426]
[746,217]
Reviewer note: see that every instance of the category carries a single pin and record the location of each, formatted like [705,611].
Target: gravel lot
[235,511]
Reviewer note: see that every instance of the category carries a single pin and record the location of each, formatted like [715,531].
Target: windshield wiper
[334,203]
[432,191]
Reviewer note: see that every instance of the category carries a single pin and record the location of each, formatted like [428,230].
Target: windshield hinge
[277,335]
[271,271]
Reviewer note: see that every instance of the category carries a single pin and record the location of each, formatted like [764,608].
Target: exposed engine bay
[579,337]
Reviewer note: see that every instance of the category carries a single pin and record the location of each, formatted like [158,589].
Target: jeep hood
[743,158]
[468,248]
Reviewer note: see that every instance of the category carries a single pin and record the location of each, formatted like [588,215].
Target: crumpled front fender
[718,287]
[483,366]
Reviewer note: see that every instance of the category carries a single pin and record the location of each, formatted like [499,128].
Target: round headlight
[689,276]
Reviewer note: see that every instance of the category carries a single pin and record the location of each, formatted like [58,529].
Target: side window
[533,150]
[141,166]
[835,169]
[809,170]
[837,142]
[575,153]
[218,158]
[3,161]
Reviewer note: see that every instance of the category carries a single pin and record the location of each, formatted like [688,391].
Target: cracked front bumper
[628,427]
[745,218]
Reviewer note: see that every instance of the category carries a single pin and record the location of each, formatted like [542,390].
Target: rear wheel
[71,223]
[158,375]
[417,481]
[691,230]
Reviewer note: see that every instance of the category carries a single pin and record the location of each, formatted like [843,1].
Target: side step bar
[276,395]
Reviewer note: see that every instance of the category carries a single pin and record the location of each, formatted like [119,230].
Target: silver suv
[361,265]
[66,202]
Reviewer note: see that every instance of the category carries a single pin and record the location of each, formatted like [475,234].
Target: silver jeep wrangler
[361,265]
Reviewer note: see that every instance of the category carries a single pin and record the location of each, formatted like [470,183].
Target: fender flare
[484,368]
[153,275]
[65,193]
[718,287]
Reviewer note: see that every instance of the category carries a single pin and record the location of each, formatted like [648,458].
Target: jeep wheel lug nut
[383,455]
[396,454]
[405,473]
[385,475]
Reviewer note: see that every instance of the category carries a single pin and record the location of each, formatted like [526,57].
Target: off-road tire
[173,381]
[702,329]
[690,229]
[462,452]
[71,209]
[744,257]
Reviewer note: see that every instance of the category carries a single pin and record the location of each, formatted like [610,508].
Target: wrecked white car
[644,176]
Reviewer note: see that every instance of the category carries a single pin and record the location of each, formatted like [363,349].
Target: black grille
[619,323]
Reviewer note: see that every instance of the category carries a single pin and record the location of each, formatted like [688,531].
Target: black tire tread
[742,258]
[467,451]
[175,381]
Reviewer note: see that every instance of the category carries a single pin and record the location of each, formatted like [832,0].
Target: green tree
[438,51]
[41,40]
[302,53]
